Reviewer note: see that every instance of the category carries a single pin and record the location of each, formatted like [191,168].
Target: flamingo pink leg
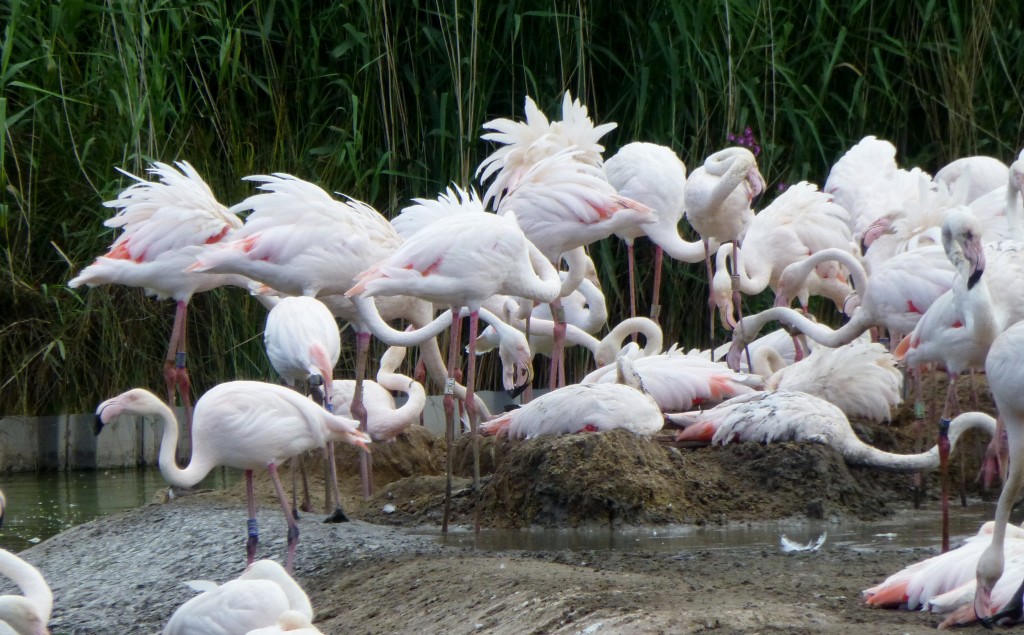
[358,411]
[253,537]
[711,292]
[293,527]
[558,345]
[631,265]
[176,375]
[471,414]
[947,411]
[450,416]
[659,256]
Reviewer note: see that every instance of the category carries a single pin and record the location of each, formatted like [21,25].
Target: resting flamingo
[303,344]
[678,382]
[655,176]
[860,378]
[289,623]
[718,197]
[248,425]
[584,408]
[255,599]
[773,417]
[28,613]
[165,225]
[944,582]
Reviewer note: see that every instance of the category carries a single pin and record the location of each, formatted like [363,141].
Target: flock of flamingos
[933,263]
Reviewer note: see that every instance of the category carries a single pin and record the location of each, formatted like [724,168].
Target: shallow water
[906,529]
[44,504]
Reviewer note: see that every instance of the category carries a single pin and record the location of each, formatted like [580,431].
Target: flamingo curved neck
[748,328]
[797,273]
[722,281]
[33,587]
[416,400]
[677,248]
[767,362]
[576,259]
[176,476]
[856,452]
[609,346]
[732,169]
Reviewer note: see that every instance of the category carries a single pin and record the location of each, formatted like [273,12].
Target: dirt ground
[617,481]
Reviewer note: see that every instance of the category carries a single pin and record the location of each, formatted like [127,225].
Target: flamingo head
[961,238]
[878,228]
[516,361]
[136,401]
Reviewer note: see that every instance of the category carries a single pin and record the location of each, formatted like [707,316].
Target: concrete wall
[68,442]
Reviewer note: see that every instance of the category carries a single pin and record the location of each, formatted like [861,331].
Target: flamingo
[944,582]
[797,224]
[28,613]
[550,175]
[679,382]
[655,176]
[718,196]
[861,378]
[289,623]
[982,174]
[584,408]
[247,425]
[461,261]
[895,300]
[1003,368]
[303,344]
[385,421]
[772,417]
[255,599]
[165,225]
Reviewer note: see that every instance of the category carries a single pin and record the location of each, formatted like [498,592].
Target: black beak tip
[973,279]
[518,390]
[97,425]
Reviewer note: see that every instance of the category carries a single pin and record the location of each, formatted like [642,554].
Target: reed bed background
[384,101]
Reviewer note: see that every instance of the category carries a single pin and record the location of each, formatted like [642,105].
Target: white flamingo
[385,421]
[28,613]
[655,176]
[248,425]
[799,223]
[164,225]
[583,408]
[255,599]
[775,417]
[303,345]
[718,196]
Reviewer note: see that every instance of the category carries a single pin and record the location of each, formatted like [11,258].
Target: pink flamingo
[385,420]
[248,425]
[461,261]
[165,225]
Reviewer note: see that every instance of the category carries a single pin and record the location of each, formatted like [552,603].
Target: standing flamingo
[303,344]
[718,196]
[462,261]
[165,225]
[799,223]
[655,176]
[248,425]
[255,599]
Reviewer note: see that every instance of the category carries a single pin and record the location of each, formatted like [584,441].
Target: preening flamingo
[257,598]
[28,613]
[718,196]
[303,344]
[165,224]
[384,420]
[799,223]
[248,425]
[655,176]
[771,417]
[583,408]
